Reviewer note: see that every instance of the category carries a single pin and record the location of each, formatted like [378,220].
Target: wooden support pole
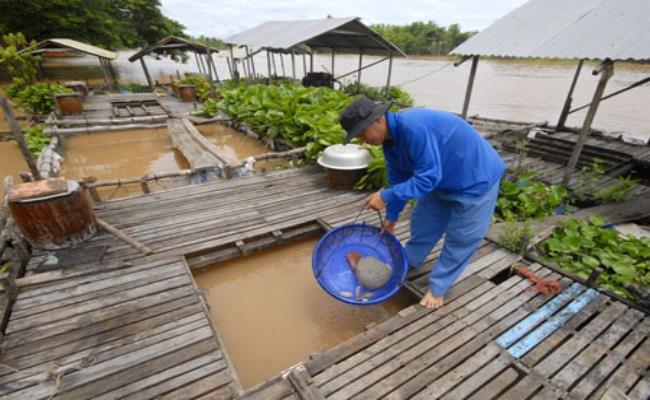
[234,72]
[606,71]
[18,135]
[123,236]
[268,62]
[198,63]
[311,62]
[332,68]
[207,64]
[275,67]
[293,64]
[252,61]
[360,65]
[390,72]
[112,71]
[214,66]
[230,69]
[569,98]
[282,64]
[304,64]
[146,72]
[470,86]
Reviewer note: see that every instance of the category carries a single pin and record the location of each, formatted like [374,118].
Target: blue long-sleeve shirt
[435,150]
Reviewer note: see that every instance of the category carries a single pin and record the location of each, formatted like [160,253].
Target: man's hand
[389,226]
[375,202]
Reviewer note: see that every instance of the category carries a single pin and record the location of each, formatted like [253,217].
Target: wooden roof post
[470,86]
[282,64]
[146,72]
[18,135]
[332,71]
[360,65]
[252,61]
[569,98]
[268,62]
[304,64]
[293,64]
[233,74]
[390,72]
[606,71]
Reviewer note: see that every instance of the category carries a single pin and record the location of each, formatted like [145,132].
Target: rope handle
[381,219]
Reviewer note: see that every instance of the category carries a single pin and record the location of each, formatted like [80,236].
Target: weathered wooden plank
[93,291]
[524,388]
[467,368]
[94,309]
[276,388]
[113,366]
[105,351]
[565,353]
[352,346]
[550,343]
[641,390]
[586,360]
[475,379]
[199,387]
[494,388]
[598,375]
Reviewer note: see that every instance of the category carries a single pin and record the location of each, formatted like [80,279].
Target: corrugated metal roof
[345,35]
[591,29]
[78,46]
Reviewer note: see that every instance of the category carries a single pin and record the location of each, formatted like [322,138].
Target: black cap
[360,114]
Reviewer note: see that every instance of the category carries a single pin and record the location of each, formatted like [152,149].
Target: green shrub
[528,197]
[36,139]
[203,88]
[37,98]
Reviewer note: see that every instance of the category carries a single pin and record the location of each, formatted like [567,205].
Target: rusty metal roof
[344,35]
[63,43]
[590,29]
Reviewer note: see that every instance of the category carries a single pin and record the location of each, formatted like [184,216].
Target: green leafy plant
[515,236]
[302,116]
[37,98]
[376,177]
[581,246]
[203,88]
[528,197]
[36,139]
[591,187]
[401,97]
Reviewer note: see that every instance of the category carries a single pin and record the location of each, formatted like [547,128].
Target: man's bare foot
[431,301]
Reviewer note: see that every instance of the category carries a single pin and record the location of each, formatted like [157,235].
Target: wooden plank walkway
[136,327]
[129,331]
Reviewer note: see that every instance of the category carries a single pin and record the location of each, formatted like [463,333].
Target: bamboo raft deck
[127,325]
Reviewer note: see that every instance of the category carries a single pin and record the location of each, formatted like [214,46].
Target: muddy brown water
[11,163]
[271,313]
[126,154]
[237,145]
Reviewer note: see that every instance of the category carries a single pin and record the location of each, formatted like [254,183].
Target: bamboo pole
[470,86]
[569,98]
[18,135]
[268,62]
[293,64]
[606,71]
[304,64]
[123,236]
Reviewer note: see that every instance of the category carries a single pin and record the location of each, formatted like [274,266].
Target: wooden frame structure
[170,44]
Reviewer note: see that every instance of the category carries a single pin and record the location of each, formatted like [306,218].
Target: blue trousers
[463,219]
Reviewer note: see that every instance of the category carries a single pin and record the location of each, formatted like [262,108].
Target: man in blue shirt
[440,160]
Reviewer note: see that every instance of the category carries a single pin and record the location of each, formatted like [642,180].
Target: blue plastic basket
[333,272]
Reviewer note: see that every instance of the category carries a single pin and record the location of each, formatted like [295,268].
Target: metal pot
[344,164]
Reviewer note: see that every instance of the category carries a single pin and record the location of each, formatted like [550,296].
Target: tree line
[423,38]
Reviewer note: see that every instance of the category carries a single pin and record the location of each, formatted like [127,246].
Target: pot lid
[345,157]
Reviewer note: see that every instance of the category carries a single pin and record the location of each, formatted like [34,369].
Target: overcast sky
[226,17]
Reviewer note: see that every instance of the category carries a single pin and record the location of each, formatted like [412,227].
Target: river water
[271,313]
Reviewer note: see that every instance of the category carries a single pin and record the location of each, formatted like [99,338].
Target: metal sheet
[78,46]
[345,35]
[590,29]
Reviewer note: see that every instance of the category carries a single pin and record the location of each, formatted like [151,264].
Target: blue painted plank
[546,329]
[525,325]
